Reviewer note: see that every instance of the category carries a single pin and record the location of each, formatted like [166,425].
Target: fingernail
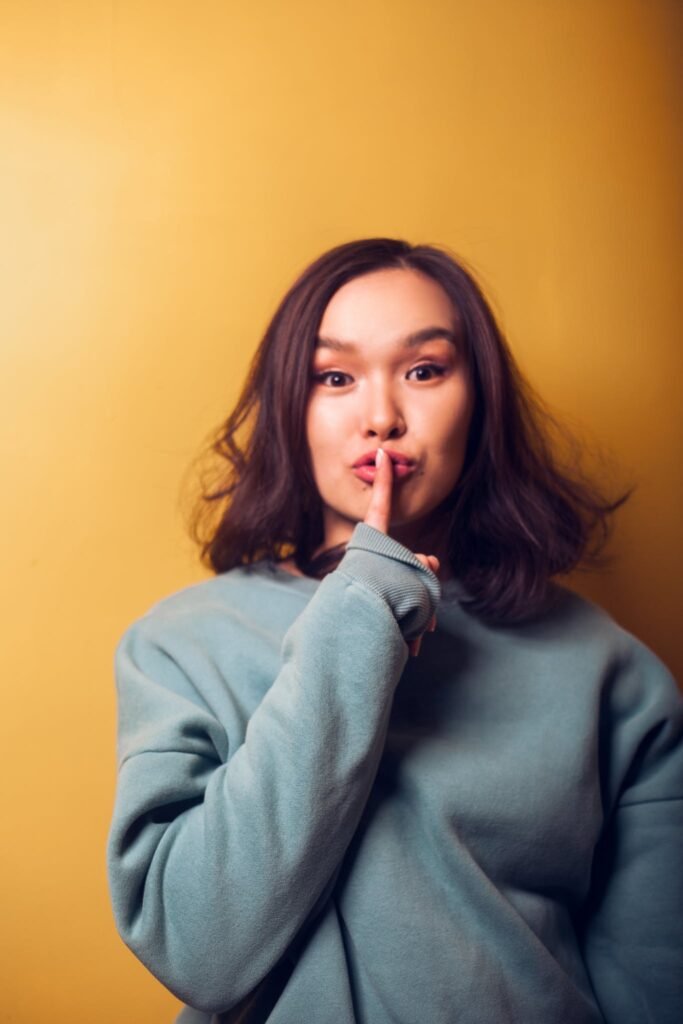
[378,457]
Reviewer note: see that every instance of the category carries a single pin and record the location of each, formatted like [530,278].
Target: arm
[633,923]
[217,856]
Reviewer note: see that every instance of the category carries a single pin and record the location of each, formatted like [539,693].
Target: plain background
[166,169]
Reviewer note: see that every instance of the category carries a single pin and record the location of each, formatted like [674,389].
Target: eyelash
[438,371]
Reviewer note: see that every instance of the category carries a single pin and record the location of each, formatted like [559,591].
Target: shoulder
[637,706]
[243,597]
[632,674]
[579,647]
[576,621]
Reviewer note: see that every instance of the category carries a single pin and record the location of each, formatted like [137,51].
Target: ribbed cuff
[393,572]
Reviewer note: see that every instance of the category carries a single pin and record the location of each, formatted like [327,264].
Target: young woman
[383,768]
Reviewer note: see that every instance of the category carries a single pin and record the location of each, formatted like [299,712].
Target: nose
[382,416]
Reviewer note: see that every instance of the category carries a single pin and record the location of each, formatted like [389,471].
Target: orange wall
[165,169]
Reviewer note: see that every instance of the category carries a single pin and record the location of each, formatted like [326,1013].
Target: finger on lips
[379,509]
[379,516]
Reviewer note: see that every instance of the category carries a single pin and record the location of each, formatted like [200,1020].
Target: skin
[416,400]
[379,516]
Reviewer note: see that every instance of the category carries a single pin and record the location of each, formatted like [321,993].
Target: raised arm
[217,856]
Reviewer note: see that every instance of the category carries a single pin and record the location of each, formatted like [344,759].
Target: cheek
[446,445]
[323,434]
[444,426]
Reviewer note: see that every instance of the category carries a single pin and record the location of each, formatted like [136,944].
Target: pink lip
[365,468]
[398,458]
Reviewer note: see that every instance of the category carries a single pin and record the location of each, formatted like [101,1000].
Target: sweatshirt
[312,827]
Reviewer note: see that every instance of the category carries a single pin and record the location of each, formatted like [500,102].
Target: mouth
[365,468]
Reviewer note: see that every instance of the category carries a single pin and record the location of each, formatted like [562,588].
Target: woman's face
[387,370]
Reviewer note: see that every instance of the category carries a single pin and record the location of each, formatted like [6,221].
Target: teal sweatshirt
[487,833]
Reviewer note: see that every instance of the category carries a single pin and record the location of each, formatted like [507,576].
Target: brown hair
[517,515]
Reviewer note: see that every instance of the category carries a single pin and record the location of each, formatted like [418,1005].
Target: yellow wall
[165,169]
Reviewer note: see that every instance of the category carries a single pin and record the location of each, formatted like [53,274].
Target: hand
[378,515]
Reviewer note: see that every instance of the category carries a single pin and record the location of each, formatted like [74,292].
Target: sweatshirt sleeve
[217,856]
[633,922]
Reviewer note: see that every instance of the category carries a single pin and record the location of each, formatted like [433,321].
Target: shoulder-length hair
[518,515]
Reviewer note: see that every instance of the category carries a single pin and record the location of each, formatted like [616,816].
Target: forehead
[387,302]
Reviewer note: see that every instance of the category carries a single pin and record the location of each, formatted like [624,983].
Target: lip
[397,458]
[365,467]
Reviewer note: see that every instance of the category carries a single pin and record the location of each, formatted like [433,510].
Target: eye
[427,371]
[332,378]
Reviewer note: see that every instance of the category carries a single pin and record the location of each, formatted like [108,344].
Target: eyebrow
[409,341]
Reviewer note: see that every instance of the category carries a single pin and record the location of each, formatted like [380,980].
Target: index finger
[379,509]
